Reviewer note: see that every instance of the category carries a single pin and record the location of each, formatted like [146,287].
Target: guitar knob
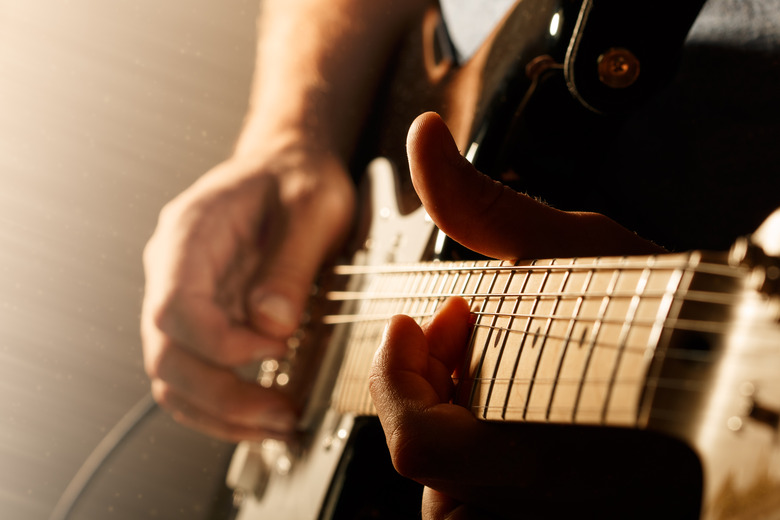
[755,411]
[758,255]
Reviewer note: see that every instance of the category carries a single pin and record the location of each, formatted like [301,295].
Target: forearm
[318,63]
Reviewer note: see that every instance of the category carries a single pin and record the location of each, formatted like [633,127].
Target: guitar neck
[565,341]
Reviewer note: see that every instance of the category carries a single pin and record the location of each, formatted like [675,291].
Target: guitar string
[565,413]
[588,416]
[696,296]
[572,413]
[566,342]
[366,406]
[673,324]
[471,344]
[509,324]
[679,353]
[360,374]
[685,264]
[699,296]
[665,383]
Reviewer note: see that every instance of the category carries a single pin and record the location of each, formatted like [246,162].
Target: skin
[473,469]
[230,265]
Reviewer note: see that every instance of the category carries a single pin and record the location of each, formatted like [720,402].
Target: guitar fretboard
[565,341]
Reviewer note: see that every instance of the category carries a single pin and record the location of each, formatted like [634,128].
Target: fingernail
[277,309]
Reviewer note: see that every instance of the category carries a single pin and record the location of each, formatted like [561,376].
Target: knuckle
[157,363]
[170,212]
[164,314]
[406,452]
[163,395]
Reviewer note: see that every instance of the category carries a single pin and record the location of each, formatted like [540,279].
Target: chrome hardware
[267,373]
[618,68]
[248,473]
[764,274]
[252,465]
[751,409]
[541,64]
[335,440]
[765,415]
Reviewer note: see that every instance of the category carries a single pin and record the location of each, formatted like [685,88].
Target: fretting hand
[473,469]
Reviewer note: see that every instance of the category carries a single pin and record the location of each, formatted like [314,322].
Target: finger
[415,365]
[447,333]
[203,326]
[315,226]
[189,414]
[199,249]
[488,217]
[410,384]
[429,439]
[217,391]
[438,506]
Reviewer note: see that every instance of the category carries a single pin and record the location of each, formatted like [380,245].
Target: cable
[78,484]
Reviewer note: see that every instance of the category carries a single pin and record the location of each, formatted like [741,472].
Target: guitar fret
[622,350]
[413,282]
[523,334]
[673,285]
[494,327]
[478,368]
[455,278]
[422,304]
[465,290]
[414,304]
[436,300]
[528,359]
[346,384]
[566,342]
[587,390]
[544,353]
[363,337]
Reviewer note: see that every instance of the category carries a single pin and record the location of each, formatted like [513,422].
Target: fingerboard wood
[563,341]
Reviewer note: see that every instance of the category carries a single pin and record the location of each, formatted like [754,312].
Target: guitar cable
[95,461]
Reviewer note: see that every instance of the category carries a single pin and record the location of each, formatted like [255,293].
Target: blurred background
[107,110]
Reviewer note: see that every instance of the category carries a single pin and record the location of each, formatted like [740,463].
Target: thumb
[491,218]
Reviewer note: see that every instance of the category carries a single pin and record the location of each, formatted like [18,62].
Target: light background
[108,108]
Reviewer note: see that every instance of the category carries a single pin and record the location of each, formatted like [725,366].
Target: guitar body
[692,429]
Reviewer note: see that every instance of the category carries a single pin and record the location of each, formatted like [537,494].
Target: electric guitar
[681,346]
